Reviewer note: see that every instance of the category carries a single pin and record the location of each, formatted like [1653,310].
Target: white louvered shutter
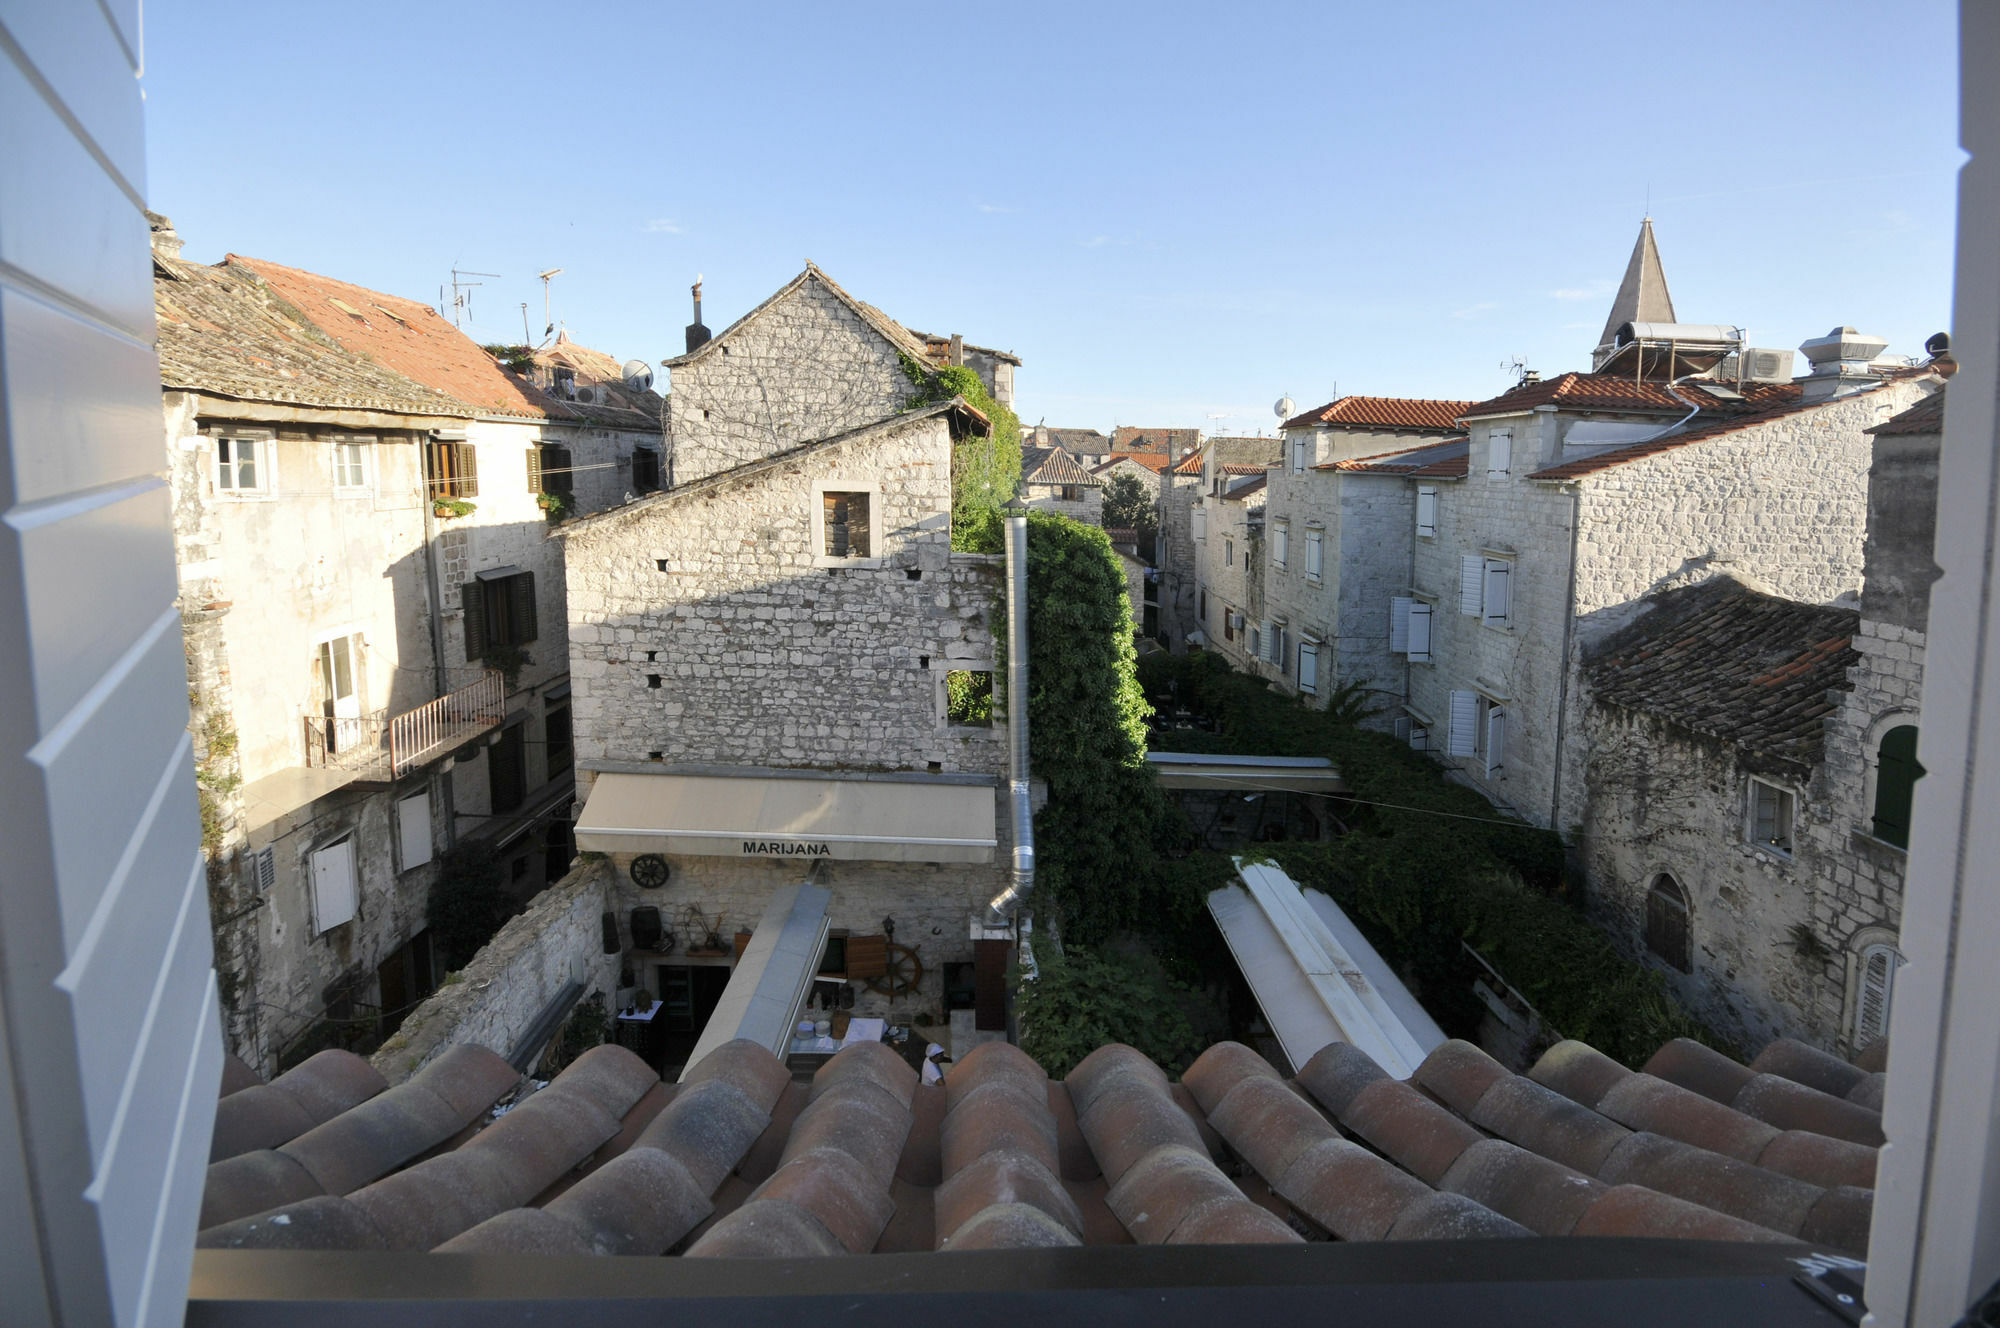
[1471,580]
[1315,548]
[1878,977]
[1499,590]
[1200,524]
[333,886]
[1420,632]
[1427,509]
[267,869]
[413,828]
[1269,639]
[1496,740]
[1499,451]
[1464,723]
[1403,728]
[1308,668]
[1399,624]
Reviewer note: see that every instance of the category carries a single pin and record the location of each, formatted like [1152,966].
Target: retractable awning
[748,816]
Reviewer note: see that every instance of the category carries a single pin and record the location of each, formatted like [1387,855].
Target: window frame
[1315,553]
[264,464]
[1502,567]
[941,671]
[872,489]
[364,464]
[478,598]
[1786,802]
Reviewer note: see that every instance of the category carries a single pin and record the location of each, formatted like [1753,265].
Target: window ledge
[1873,845]
[822,560]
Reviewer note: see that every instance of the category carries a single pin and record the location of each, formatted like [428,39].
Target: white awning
[769,986]
[1248,774]
[749,816]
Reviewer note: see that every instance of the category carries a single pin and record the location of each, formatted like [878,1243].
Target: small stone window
[844,531]
[1770,820]
[1667,923]
[1071,493]
[968,698]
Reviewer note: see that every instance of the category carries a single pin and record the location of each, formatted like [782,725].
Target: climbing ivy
[985,472]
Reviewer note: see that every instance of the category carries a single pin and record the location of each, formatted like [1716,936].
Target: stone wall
[1087,506]
[494,1000]
[1229,562]
[601,462]
[743,651]
[807,366]
[1179,573]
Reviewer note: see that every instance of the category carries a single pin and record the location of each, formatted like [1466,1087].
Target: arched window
[1877,983]
[1896,774]
[1667,922]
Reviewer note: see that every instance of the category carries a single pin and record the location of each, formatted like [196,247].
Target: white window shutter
[1200,523]
[1427,509]
[413,826]
[1402,728]
[1499,451]
[1268,638]
[1315,551]
[1308,667]
[267,869]
[1499,588]
[1878,976]
[1471,577]
[1298,455]
[1420,632]
[333,886]
[1399,624]
[1496,740]
[1464,723]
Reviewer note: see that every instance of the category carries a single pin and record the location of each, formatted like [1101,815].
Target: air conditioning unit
[1235,622]
[1757,365]
[586,395]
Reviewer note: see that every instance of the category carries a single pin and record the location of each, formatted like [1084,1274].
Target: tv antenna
[1514,367]
[461,292]
[546,318]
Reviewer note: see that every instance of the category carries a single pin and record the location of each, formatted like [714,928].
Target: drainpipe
[434,590]
[1001,912]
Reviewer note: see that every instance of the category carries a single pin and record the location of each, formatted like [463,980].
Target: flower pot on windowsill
[450,507]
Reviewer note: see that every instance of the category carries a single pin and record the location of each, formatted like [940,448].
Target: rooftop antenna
[527,338]
[554,271]
[461,292]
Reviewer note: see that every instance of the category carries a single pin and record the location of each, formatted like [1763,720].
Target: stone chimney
[1840,363]
[166,240]
[697,335]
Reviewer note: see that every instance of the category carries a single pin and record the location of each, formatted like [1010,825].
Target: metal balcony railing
[390,746]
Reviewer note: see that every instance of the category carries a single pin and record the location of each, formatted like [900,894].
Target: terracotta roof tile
[1384,413]
[922,1162]
[1621,392]
[1792,1106]
[1416,1133]
[236,1076]
[1806,1065]
[1010,1227]
[1130,1118]
[766,1229]
[1003,1176]
[1632,1210]
[1699,1069]
[998,1116]
[912,1228]
[1155,462]
[1781,1203]
[1445,460]
[1052,465]
[309,1094]
[1869,1092]
[1544,1196]
[1816,1158]
[1078,1162]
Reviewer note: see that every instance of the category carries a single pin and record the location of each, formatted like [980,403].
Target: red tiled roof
[1153,461]
[405,336]
[1384,413]
[1165,441]
[1445,460]
[1617,392]
[740,1159]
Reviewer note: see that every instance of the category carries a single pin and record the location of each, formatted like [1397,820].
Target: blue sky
[1173,214]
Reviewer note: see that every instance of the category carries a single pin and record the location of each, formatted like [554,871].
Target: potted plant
[450,507]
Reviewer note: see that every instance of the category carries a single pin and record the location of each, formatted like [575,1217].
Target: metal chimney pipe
[1007,903]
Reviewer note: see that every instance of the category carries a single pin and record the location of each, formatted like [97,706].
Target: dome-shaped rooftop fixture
[1284,408]
[638,375]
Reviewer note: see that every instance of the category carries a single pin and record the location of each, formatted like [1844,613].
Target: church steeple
[1642,296]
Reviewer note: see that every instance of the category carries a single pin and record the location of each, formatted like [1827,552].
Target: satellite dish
[1285,408]
[638,375]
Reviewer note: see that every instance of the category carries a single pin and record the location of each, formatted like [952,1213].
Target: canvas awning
[749,816]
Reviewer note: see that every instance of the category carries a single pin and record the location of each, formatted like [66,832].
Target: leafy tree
[467,904]
[1127,503]
[1082,999]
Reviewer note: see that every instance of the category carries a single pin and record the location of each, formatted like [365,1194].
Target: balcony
[383,748]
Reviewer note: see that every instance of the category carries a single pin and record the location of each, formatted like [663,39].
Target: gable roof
[225,331]
[744,1159]
[1384,413]
[1079,441]
[1782,400]
[1735,665]
[1129,438]
[1642,296]
[1152,461]
[1441,460]
[405,336]
[1052,465]
[898,336]
[1623,393]
[961,414]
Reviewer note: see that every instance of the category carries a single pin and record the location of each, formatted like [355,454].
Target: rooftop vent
[1842,362]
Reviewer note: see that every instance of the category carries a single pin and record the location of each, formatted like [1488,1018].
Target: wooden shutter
[867,956]
[1463,739]
[1499,451]
[534,470]
[1399,624]
[557,473]
[521,607]
[413,829]
[1427,509]
[1499,585]
[1496,740]
[466,459]
[472,595]
[1308,667]
[1471,581]
[1896,773]
[1420,632]
[333,886]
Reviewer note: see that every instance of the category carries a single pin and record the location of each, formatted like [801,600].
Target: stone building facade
[1053,481]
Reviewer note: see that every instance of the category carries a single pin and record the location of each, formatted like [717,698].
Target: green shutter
[521,607]
[534,470]
[473,596]
[1896,775]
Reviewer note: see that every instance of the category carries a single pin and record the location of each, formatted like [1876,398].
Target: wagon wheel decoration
[649,871]
[905,971]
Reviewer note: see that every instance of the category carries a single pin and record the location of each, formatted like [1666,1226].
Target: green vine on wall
[985,472]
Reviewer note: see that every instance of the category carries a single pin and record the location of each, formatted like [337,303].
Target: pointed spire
[1642,296]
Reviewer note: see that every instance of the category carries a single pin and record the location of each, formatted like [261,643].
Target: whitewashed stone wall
[764,658]
[494,1000]
[806,367]
[601,461]
[1230,567]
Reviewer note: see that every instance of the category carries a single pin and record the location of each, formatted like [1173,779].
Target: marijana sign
[784,849]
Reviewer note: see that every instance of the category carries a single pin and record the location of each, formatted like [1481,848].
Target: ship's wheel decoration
[650,871]
[905,972]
